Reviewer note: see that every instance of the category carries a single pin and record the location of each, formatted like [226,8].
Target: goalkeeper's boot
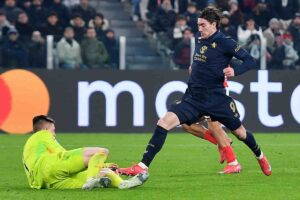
[91,183]
[135,181]
[133,170]
[265,165]
[231,169]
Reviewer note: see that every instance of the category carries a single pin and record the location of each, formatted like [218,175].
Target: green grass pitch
[184,169]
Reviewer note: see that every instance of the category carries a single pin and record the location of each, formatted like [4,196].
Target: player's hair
[38,122]
[211,14]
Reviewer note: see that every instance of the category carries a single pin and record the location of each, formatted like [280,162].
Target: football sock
[209,137]
[155,144]
[229,154]
[251,143]
[95,165]
[116,180]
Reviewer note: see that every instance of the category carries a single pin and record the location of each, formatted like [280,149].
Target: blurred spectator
[222,4]
[70,3]
[100,24]
[201,4]
[37,51]
[294,29]
[11,10]
[253,47]
[180,26]
[192,17]
[14,53]
[112,47]
[78,26]
[52,27]
[236,15]
[182,53]
[152,7]
[37,14]
[93,51]
[285,9]
[273,34]
[165,18]
[62,11]
[291,55]
[24,4]
[68,51]
[135,13]
[250,28]
[183,6]
[24,28]
[4,26]
[263,13]
[85,10]
[247,6]
[226,27]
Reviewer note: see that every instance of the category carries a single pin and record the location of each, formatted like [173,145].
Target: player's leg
[228,115]
[66,169]
[88,152]
[200,131]
[225,149]
[248,138]
[180,113]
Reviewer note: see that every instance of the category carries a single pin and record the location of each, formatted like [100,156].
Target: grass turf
[184,169]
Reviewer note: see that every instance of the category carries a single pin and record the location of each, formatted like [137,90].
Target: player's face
[206,28]
[51,129]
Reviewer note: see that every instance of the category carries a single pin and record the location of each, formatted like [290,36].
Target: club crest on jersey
[214,45]
[203,49]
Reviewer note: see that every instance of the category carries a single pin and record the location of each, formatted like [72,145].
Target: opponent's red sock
[229,154]
[209,137]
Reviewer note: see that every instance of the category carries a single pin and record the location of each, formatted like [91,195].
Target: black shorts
[214,103]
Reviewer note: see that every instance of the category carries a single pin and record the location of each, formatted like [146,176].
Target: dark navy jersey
[212,55]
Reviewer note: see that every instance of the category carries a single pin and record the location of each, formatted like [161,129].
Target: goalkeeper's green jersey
[39,145]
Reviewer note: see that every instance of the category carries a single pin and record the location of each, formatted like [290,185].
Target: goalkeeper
[49,166]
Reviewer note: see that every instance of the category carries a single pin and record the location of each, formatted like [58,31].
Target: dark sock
[251,143]
[154,145]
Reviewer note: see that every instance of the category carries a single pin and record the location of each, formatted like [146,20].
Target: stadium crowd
[83,38]
[247,21]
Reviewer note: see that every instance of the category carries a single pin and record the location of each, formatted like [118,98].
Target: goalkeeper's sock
[116,180]
[155,144]
[251,143]
[209,137]
[95,165]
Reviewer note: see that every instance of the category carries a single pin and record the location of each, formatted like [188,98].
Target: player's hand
[110,165]
[190,70]
[228,71]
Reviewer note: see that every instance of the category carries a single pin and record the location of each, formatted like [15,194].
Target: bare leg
[88,152]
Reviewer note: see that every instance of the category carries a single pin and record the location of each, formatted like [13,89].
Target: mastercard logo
[22,96]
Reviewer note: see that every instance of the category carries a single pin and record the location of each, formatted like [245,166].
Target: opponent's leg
[248,138]
[225,149]
[200,131]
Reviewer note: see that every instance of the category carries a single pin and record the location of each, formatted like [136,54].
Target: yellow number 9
[232,106]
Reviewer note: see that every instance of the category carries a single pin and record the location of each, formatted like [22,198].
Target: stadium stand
[154,30]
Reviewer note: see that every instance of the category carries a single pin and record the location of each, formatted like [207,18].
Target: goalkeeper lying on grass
[48,165]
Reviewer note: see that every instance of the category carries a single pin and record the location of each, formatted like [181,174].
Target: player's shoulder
[226,42]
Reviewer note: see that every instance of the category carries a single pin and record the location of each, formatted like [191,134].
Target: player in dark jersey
[205,94]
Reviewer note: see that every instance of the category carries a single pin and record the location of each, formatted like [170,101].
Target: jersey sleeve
[231,47]
[51,144]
